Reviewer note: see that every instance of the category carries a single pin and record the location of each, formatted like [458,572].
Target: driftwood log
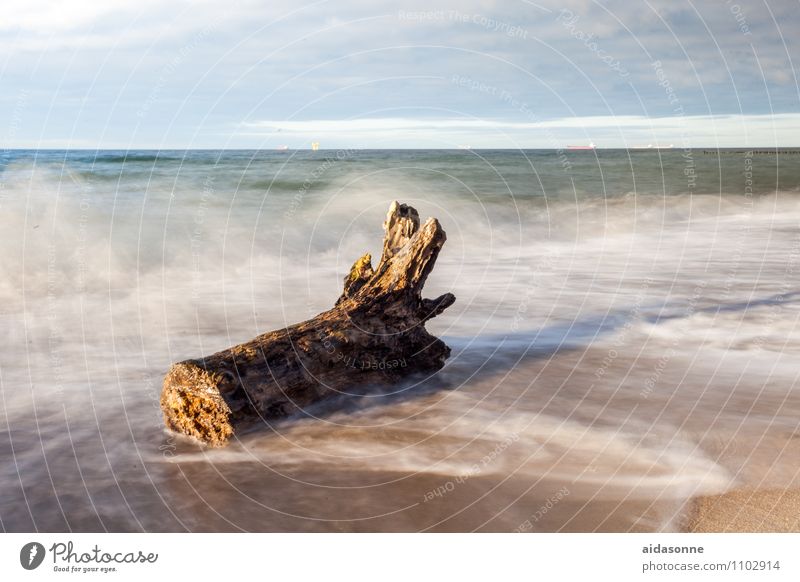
[375,334]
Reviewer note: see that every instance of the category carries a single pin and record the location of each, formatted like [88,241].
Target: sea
[625,337]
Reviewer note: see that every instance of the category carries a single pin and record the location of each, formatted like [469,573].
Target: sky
[131,74]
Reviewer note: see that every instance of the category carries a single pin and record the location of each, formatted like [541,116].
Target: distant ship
[464,147]
[581,147]
[314,146]
[282,148]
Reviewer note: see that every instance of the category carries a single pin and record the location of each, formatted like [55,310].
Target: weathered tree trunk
[375,334]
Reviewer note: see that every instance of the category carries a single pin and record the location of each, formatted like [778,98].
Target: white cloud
[45,17]
[604,131]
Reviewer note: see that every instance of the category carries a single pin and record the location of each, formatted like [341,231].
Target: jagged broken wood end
[375,334]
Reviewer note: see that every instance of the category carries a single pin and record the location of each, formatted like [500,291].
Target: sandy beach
[746,510]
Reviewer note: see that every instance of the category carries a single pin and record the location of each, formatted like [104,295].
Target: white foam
[461,440]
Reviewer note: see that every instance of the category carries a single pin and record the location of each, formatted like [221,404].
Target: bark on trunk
[375,334]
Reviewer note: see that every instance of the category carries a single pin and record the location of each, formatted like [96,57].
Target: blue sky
[512,73]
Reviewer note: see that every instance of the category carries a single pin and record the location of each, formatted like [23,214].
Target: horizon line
[570,148]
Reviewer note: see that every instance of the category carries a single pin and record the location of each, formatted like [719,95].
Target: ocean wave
[468,440]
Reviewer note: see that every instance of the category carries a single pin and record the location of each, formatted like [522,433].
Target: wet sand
[566,452]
